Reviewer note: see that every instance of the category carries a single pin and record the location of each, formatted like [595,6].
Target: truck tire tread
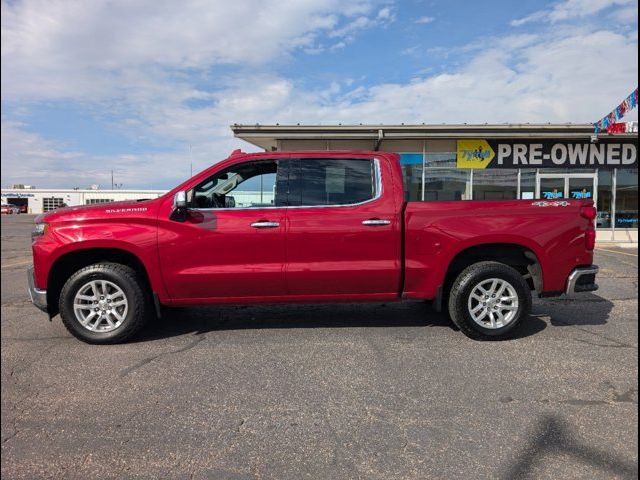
[457,299]
[137,297]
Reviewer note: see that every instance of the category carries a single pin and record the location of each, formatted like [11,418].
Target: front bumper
[38,296]
[582,279]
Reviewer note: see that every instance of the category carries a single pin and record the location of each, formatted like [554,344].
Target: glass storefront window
[446,184]
[495,184]
[444,181]
[412,177]
[528,183]
[411,164]
[440,160]
[605,199]
[552,188]
[627,198]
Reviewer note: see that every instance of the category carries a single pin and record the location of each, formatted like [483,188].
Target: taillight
[589,213]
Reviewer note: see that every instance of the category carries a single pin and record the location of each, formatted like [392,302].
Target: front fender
[136,238]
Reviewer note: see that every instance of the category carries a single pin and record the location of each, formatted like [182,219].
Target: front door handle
[265,224]
[376,222]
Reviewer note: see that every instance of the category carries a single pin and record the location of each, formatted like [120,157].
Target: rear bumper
[38,296]
[582,279]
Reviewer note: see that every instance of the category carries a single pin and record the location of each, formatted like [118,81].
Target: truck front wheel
[489,300]
[104,303]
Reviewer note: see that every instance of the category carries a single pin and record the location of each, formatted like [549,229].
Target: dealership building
[448,162]
[491,162]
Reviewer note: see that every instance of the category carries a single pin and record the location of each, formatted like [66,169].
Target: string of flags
[617,113]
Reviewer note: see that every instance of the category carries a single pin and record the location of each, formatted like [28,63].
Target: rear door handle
[376,222]
[265,224]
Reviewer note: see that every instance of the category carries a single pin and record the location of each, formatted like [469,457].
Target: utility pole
[112,179]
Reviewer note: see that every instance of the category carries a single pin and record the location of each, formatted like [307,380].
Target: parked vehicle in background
[9,209]
[24,208]
[324,227]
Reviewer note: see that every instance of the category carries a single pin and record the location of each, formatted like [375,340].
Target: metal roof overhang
[267,136]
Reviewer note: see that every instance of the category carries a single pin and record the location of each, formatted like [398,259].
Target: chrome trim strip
[38,297]
[377,183]
[576,274]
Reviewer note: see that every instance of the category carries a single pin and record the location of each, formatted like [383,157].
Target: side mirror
[180,200]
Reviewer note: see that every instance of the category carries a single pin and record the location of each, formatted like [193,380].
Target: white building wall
[36,197]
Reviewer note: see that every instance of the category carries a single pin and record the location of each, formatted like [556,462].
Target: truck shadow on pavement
[588,309]
[553,437]
[199,320]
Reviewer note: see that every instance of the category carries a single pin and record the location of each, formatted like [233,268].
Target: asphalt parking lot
[339,391]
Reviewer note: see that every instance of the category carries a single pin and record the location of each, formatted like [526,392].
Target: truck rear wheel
[104,303]
[489,300]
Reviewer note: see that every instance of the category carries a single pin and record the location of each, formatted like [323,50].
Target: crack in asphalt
[628,396]
[604,337]
[569,301]
[123,373]
[35,339]
[29,397]
[17,302]
[603,345]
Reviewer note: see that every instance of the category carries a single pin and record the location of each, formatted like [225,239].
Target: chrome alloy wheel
[100,306]
[493,303]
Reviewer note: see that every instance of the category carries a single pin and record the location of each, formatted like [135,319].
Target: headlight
[39,230]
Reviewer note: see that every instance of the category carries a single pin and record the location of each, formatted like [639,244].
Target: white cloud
[568,9]
[68,49]
[425,20]
[52,52]
[409,50]
[27,157]
[570,77]
[384,17]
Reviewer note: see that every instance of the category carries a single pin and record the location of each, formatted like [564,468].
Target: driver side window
[246,185]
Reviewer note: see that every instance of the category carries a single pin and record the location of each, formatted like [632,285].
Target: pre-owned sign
[480,153]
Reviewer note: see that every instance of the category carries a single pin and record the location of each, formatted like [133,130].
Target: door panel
[219,254]
[330,251]
[213,253]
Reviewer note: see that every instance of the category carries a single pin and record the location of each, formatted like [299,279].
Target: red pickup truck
[319,226]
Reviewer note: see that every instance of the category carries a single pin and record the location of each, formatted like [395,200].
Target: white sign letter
[535,154]
[559,154]
[628,153]
[613,154]
[519,154]
[503,152]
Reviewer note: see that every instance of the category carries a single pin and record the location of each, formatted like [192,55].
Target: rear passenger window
[315,182]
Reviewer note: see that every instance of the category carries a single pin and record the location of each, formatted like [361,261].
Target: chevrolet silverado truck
[312,227]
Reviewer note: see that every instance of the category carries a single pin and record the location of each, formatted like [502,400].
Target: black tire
[465,284]
[128,281]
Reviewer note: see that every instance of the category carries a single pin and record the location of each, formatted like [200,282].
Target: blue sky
[92,86]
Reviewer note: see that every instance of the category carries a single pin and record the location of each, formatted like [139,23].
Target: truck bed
[436,232]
